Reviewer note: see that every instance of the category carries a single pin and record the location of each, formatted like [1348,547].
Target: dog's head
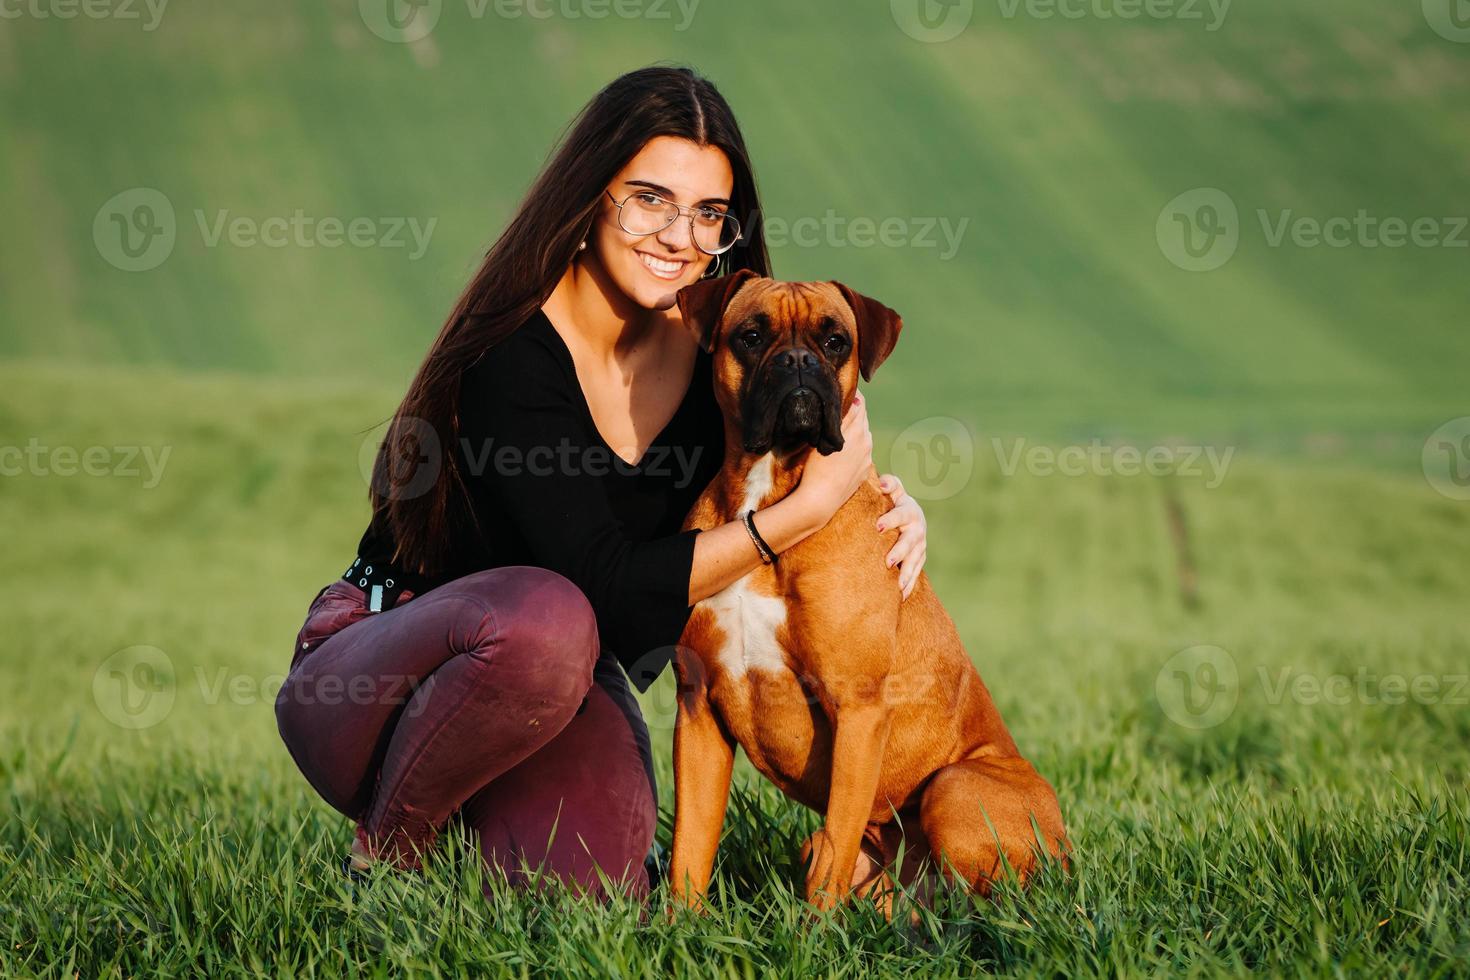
[787,354]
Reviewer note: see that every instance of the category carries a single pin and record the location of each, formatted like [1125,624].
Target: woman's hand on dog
[909,552]
[828,481]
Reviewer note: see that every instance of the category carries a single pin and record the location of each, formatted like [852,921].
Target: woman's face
[651,269]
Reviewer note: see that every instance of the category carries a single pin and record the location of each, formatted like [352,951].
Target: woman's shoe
[357,874]
[656,865]
[357,866]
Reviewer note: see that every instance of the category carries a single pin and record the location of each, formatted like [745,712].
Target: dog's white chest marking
[748,620]
[749,623]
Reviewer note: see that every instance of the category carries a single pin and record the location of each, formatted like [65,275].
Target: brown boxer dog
[862,706]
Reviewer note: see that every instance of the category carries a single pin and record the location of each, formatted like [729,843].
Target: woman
[527,501]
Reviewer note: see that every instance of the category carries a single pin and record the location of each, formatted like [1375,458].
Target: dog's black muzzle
[793,402]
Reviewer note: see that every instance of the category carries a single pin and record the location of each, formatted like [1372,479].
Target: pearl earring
[582,247]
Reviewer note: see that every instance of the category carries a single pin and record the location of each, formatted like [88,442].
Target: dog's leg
[975,810]
[857,763]
[884,849]
[704,756]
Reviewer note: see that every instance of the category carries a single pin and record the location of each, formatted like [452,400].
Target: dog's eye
[837,343]
[751,339]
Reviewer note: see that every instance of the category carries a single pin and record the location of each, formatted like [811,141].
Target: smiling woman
[510,566]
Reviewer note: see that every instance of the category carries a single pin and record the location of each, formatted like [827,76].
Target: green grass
[1293,837]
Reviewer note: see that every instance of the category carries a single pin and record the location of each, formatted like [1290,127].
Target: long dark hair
[427,524]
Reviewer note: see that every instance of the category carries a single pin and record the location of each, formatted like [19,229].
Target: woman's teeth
[662,268]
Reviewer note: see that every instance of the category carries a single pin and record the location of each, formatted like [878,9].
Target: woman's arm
[725,554]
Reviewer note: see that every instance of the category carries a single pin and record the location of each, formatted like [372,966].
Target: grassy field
[1309,834]
[1258,725]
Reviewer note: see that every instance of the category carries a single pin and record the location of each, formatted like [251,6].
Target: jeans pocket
[337,606]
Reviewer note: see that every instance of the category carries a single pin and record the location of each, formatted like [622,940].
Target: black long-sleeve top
[549,491]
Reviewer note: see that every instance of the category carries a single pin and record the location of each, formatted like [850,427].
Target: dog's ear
[703,303]
[877,327]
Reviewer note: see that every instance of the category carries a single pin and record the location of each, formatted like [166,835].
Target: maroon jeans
[484,700]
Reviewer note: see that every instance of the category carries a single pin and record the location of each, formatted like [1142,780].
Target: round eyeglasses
[645,213]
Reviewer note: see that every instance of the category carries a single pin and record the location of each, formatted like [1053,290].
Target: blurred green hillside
[1053,143]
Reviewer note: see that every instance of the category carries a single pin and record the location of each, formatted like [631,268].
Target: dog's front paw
[678,908]
[822,900]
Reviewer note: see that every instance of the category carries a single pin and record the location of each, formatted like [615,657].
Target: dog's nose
[796,359]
